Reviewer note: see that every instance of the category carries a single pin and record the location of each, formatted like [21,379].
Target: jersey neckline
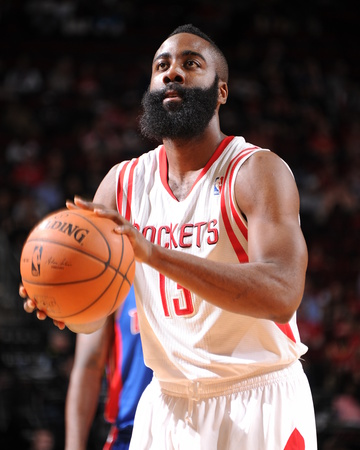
[163,167]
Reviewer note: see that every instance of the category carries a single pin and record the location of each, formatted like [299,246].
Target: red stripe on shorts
[295,442]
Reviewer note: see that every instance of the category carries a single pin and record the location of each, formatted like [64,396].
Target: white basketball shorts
[268,412]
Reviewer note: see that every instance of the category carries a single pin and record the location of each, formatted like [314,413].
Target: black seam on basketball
[83,280]
[116,273]
[58,317]
[127,271]
[93,302]
[75,213]
[77,250]
[124,275]
[107,266]
[119,273]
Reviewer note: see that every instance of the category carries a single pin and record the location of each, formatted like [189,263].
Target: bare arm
[85,383]
[267,194]
[271,285]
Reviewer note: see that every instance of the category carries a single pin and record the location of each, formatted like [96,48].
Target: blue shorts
[118,439]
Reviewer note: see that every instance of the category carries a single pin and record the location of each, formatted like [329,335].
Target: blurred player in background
[116,346]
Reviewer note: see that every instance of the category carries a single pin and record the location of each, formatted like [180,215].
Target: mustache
[181,91]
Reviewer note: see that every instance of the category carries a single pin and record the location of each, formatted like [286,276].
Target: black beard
[185,119]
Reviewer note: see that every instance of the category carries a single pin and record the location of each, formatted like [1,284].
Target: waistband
[212,388]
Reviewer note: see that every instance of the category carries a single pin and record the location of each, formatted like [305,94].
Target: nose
[174,74]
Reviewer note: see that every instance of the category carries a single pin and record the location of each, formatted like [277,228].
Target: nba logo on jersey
[218,185]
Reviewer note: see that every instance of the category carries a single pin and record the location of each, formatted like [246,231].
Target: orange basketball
[75,268]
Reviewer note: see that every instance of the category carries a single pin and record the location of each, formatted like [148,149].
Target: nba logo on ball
[76,268]
[36,260]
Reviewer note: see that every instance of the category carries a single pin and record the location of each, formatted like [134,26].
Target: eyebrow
[167,55]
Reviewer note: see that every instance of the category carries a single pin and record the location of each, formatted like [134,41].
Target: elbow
[290,290]
[287,305]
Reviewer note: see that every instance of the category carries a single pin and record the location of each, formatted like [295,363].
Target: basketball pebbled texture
[75,267]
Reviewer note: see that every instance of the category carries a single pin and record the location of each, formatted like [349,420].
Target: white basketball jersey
[184,337]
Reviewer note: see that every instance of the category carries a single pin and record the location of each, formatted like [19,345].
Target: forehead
[181,43]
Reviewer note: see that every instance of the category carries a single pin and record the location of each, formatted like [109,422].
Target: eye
[161,65]
[192,63]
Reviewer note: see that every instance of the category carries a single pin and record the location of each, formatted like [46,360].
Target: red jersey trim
[238,219]
[286,329]
[296,441]
[114,380]
[130,190]
[120,183]
[239,250]
[164,167]
[120,188]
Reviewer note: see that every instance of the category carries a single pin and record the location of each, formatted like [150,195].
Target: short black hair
[192,29]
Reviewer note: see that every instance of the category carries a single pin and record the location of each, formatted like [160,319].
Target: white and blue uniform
[197,350]
[127,375]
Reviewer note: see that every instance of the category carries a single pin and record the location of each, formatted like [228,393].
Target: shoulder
[106,192]
[142,162]
[265,162]
[265,180]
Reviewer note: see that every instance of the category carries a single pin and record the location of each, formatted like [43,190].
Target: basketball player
[117,345]
[221,262]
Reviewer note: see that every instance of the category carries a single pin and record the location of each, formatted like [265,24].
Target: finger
[85,204]
[71,205]
[59,324]
[41,315]
[29,305]
[82,203]
[22,291]
[108,213]
[112,215]
[125,228]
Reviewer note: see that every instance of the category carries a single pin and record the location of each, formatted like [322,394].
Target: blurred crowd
[72,74]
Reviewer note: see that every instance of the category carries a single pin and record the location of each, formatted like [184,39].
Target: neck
[185,155]
[186,158]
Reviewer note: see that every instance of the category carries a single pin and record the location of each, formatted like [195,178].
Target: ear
[223,92]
